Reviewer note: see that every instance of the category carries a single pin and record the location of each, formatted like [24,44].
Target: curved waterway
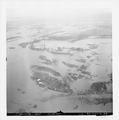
[47,72]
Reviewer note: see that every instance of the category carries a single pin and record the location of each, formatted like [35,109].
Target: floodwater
[51,67]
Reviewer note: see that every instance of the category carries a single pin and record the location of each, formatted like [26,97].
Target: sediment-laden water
[66,68]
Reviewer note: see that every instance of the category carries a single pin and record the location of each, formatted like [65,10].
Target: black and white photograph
[59,58]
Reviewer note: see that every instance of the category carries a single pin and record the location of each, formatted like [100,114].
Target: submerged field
[64,67]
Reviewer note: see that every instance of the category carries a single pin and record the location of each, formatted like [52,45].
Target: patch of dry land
[64,67]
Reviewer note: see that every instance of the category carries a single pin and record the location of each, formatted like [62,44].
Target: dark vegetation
[97,100]
[47,61]
[50,82]
[14,38]
[37,68]
[24,44]
[70,65]
[93,46]
[75,76]
[12,47]
[81,60]
[103,101]
[98,87]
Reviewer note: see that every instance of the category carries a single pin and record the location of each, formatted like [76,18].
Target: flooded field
[55,67]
